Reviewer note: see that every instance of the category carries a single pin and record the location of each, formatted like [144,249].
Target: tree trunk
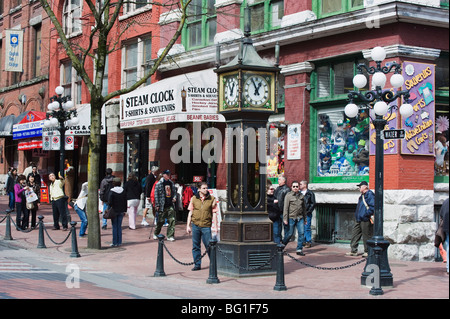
[94,241]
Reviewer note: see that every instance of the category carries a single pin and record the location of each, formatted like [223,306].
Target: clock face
[256,90]
[231,91]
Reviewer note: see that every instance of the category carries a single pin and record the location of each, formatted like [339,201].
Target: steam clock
[247,97]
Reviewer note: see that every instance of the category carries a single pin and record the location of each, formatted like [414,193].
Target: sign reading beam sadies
[190,97]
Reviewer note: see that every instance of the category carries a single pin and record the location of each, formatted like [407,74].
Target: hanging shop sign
[30,126]
[294,142]
[419,127]
[13,50]
[190,97]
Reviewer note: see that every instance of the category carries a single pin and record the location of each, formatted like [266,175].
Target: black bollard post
[41,241]
[159,272]
[75,252]
[279,285]
[8,226]
[213,279]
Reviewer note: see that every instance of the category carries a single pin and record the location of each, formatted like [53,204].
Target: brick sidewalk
[134,263]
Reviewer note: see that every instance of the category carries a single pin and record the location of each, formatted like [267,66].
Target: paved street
[126,272]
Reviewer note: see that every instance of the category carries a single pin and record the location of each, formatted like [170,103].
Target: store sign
[294,142]
[189,97]
[419,127]
[28,130]
[29,145]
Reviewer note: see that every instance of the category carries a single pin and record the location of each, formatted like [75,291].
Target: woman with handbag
[117,201]
[32,207]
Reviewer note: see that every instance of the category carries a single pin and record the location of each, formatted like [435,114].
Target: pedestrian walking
[80,209]
[9,187]
[202,213]
[443,213]
[105,187]
[274,214]
[59,201]
[294,216]
[149,182]
[133,190]
[33,206]
[279,195]
[363,222]
[21,210]
[310,204]
[165,197]
[117,200]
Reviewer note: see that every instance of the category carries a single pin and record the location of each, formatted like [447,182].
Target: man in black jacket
[310,204]
[279,195]
[149,182]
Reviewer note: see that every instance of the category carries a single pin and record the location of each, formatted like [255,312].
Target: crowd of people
[289,208]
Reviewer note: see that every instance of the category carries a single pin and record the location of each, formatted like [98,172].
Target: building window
[37,51]
[335,80]
[136,61]
[324,8]
[71,82]
[342,144]
[339,145]
[201,24]
[1,6]
[71,16]
[134,5]
[266,15]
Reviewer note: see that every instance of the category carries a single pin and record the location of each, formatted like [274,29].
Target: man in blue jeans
[294,216]
[202,213]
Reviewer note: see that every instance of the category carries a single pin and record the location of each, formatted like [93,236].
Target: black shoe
[196,268]
[300,253]
[104,227]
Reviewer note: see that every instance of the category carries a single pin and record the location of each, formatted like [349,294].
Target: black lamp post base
[377,258]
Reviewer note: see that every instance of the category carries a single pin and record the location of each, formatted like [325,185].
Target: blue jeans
[277,227]
[104,221]
[446,248]
[199,234]
[12,200]
[308,228]
[289,231]
[117,229]
[84,222]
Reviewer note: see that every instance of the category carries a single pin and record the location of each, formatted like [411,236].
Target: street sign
[393,134]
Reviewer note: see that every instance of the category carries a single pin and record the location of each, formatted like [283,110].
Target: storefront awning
[190,97]
[6,125]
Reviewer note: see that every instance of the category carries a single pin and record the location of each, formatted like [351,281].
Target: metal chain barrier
[325,268]
[67,237]
[182,263]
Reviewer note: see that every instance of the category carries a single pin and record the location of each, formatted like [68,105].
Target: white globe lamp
[380,108]
[351,110]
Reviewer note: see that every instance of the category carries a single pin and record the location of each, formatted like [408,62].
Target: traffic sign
[393,134]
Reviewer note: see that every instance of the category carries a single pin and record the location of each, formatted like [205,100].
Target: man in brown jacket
[202,212]
[294,215]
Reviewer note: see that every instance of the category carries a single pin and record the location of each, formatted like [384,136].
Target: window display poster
[389,146]
[419,127]
[294,142]
[275,164]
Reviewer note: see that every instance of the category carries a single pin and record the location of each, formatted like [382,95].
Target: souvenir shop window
[441,146]
[342,144]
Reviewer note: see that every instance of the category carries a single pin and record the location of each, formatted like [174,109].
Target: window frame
[68,18]
[204,21]
[336,102]
[346,6]
[141,63]
[75,82]
[268,23]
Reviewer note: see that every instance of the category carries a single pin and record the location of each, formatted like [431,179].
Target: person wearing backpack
[105,187]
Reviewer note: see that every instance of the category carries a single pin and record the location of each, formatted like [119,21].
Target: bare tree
[105,14]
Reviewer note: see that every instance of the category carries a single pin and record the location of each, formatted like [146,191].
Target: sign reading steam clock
[246,98]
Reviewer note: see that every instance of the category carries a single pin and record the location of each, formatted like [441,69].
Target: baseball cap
[166,172]
[363,183]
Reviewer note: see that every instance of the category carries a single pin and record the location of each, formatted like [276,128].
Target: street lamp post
[61,114]
[378,100]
